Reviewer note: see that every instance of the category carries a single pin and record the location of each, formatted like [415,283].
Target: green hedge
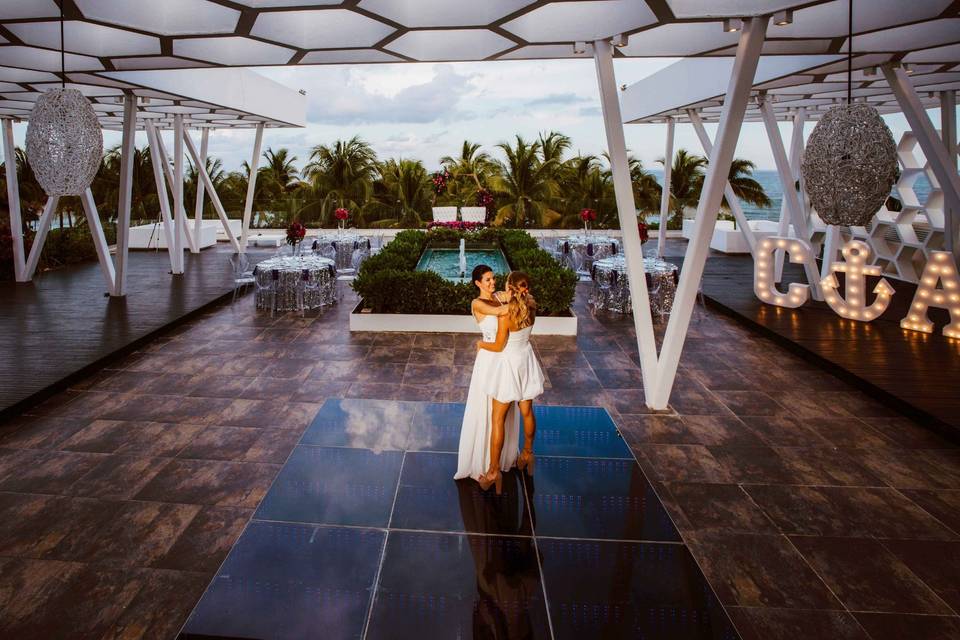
[389,283]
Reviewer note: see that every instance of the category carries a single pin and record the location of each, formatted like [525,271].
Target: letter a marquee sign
[939,285]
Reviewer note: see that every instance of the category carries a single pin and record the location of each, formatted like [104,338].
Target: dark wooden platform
[916,373]
[62,325]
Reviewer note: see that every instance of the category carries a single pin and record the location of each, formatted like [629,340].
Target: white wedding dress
[473,458]
[516,375]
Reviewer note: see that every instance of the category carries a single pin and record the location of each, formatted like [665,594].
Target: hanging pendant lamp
[850,163]
[64,140]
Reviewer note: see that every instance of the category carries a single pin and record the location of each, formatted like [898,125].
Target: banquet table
[581,250]
[340,247]
[287,282]
[611,289]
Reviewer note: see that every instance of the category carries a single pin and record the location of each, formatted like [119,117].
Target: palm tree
[744,186]
[527,186]
[341,175]
[230,200]
[32,195]
[686,181]
[404,189]
[144,204]
[280,170]
[470,172]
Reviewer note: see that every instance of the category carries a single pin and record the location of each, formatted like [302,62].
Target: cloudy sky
[425,111]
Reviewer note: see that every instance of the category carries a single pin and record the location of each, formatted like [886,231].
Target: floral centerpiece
[295,235]
[588,216]
[341,215]
[485,199]
[644,231]
[440,180]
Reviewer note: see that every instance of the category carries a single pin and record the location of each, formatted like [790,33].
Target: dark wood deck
[914,372]
[63,325]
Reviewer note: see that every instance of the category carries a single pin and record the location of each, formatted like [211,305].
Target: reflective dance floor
[365,534]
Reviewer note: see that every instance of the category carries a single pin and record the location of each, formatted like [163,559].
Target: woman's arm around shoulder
[482,306]
[503,330]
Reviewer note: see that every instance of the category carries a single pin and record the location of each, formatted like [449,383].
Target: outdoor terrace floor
[811,509]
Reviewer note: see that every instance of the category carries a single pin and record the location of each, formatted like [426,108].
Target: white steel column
[789,193]
[732,199]
[168,172]
[626,212]
[179,212]
[99,240]
[158,161]
[831,247]
[126,187]
[198,210]
[665,194]
[796,157]
[933,148]
[43,227]
[731,119]
[251,187]
[214,197]
[13,198]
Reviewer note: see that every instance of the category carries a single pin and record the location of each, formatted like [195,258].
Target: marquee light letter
[940,268]
[852,305]
[764,285]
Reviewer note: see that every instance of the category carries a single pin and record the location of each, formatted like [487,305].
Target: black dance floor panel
[365,534]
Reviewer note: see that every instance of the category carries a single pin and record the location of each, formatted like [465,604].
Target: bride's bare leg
[529,432]
[496,445]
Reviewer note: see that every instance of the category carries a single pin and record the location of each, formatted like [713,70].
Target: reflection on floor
[365,533]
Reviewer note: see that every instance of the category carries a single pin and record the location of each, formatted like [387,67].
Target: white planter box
[728,239]
[151,236]
[417,323]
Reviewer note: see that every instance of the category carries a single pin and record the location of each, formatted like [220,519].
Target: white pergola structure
[108,35]
[152,101]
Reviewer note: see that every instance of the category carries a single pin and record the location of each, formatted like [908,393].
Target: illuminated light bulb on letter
[929,295]
[763,285]
[855,257]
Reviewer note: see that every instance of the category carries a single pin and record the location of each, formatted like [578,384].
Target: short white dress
[516,373]
[473,456]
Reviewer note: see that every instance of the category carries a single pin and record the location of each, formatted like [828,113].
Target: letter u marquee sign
[939,285]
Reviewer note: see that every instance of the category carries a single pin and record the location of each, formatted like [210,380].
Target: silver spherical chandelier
[64,140]
[850,163]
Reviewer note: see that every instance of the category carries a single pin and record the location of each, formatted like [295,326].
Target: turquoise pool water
[446,262]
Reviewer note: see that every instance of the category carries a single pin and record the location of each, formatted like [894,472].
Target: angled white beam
[731,119]
[665,194]
[43,228]
[168,173]
[790,196]
[626,212]
[126,186]
[732,198]
[933,148]
[948,133]
[214,197]
[13,198]
[158,161]
[198,210]
[99,240]
[796,157]
[179,213]
[251,188]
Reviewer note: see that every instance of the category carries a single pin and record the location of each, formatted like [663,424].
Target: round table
[611,290]
[340,247]
[286,283]
[582,250]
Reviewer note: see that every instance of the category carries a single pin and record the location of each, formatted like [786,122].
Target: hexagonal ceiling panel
[443,13]
[26,9]
[86,38]
[351,55]
[452,44]
[544,51]
[581,20]
[728,8]
[169,17]
[320,29]
[680,39]
[156,62]
[45,59]
[267,4]
[234,51]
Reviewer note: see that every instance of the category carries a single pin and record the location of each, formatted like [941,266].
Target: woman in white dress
[473,458]
[515,377]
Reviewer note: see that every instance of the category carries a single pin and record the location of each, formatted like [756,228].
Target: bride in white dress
[515,377]
[473,459]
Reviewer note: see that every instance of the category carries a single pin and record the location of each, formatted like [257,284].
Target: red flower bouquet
[341,214]
[295,233]
[588,215]
[644,232]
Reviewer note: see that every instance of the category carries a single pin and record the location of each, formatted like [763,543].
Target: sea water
[446,262]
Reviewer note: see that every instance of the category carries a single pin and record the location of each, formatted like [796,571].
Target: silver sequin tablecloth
[582,250]
[340,247]
[312,277]
[611,290]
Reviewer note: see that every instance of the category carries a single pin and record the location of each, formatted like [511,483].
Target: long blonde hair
[520,308]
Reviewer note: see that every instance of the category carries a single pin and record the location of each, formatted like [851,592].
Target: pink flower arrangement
[456,225]
[341,214]
[440,179]
[484,198]
[295,233]
[588,215]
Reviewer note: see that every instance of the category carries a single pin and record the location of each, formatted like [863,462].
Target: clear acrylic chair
[266,290]
[242,274]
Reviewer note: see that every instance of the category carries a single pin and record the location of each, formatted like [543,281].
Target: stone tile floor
[813,510]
